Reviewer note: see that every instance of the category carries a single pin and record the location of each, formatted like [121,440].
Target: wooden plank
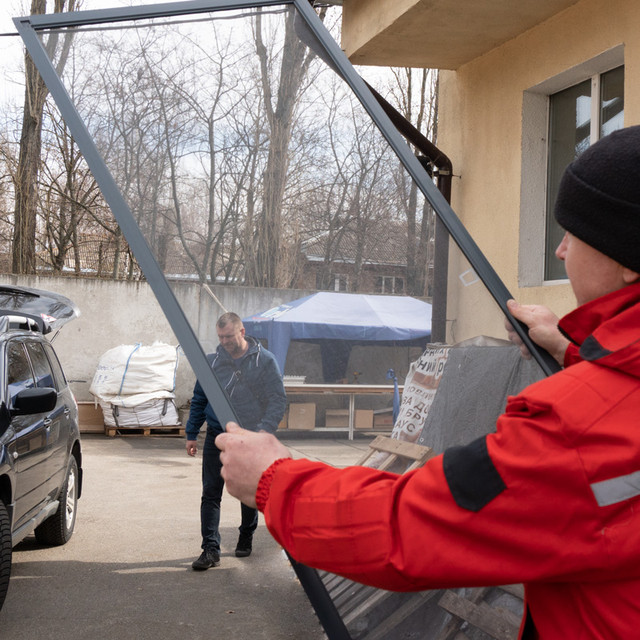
[339,589]
[90,418]
[340,389]
[329,579]
[371,451]
[373,601]
[516,590]
[352,596]
[398,448]
[508,616]
[388,462]
[496,623]
[175,431]
[413,603]
[452,628]
[354,601]
[401,448]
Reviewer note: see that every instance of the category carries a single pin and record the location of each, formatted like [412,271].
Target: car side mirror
[37,400]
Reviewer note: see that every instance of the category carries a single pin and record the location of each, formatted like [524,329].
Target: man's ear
[629,276]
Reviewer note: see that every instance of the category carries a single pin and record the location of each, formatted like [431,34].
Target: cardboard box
[364,419]
[284,423]
[90,418]
[337,418]
[302,415]
[383,419]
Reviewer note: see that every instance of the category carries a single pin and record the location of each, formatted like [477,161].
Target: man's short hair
[229,318]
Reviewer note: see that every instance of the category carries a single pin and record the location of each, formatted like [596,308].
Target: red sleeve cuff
[572,355]
[264,486]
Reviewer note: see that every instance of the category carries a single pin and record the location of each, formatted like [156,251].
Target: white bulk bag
[129,375]
[160,412]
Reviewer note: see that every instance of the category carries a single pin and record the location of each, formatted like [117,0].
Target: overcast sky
[11,82]
[11,50]
[12,8]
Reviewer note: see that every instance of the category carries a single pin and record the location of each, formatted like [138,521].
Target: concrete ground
[126,573]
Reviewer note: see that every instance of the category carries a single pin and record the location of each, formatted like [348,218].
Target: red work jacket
[551,499]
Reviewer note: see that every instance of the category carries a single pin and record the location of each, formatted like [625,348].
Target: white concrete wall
[115,312]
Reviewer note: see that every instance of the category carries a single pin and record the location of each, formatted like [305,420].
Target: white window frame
[339,278]
[388,284]
[533,182]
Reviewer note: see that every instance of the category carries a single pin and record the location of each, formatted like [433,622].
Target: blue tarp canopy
[337,321]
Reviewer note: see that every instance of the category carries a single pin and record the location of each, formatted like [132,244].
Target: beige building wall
[485,128]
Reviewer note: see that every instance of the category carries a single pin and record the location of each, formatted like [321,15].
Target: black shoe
[243,548]
[208,558]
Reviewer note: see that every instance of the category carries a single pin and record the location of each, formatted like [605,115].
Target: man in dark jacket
[251,377]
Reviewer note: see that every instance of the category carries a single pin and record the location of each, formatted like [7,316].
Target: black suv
[40,455]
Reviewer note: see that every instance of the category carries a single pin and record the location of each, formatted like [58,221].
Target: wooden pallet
[474,610]
[175,431]
[368,613]
[383,453]
[374,614]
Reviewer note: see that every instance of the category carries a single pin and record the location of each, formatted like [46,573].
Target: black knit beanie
[599,197]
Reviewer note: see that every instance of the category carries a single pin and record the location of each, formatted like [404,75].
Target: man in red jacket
[552,498]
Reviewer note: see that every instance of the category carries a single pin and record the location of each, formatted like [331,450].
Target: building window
[336,282]
[389,284]
[340,282]
[559,121]
[576,121]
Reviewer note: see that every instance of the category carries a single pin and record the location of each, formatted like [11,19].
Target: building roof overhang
[443,34]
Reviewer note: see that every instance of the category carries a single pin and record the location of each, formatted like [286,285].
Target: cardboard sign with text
[419,390]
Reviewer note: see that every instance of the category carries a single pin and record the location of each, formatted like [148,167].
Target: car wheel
[58,528]
[5,552]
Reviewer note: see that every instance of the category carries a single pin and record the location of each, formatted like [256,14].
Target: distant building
[376,263]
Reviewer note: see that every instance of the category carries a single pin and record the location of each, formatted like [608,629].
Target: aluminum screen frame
[28,27]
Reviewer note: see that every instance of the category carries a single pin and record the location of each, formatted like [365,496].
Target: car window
[19,374]
[40,364]
[58,374]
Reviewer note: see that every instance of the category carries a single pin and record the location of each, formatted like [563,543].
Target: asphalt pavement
[126,573]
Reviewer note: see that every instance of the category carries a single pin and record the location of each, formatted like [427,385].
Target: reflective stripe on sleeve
[617,489]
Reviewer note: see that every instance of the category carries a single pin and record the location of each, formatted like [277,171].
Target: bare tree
[8,168]
[195,113]
[414,92]
[354,199]
[281,96]
[69,196]
[161,105]
[127,130]
[24,239]
[77,228]
[230,152]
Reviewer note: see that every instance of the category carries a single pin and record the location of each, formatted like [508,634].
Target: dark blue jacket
[254,386]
